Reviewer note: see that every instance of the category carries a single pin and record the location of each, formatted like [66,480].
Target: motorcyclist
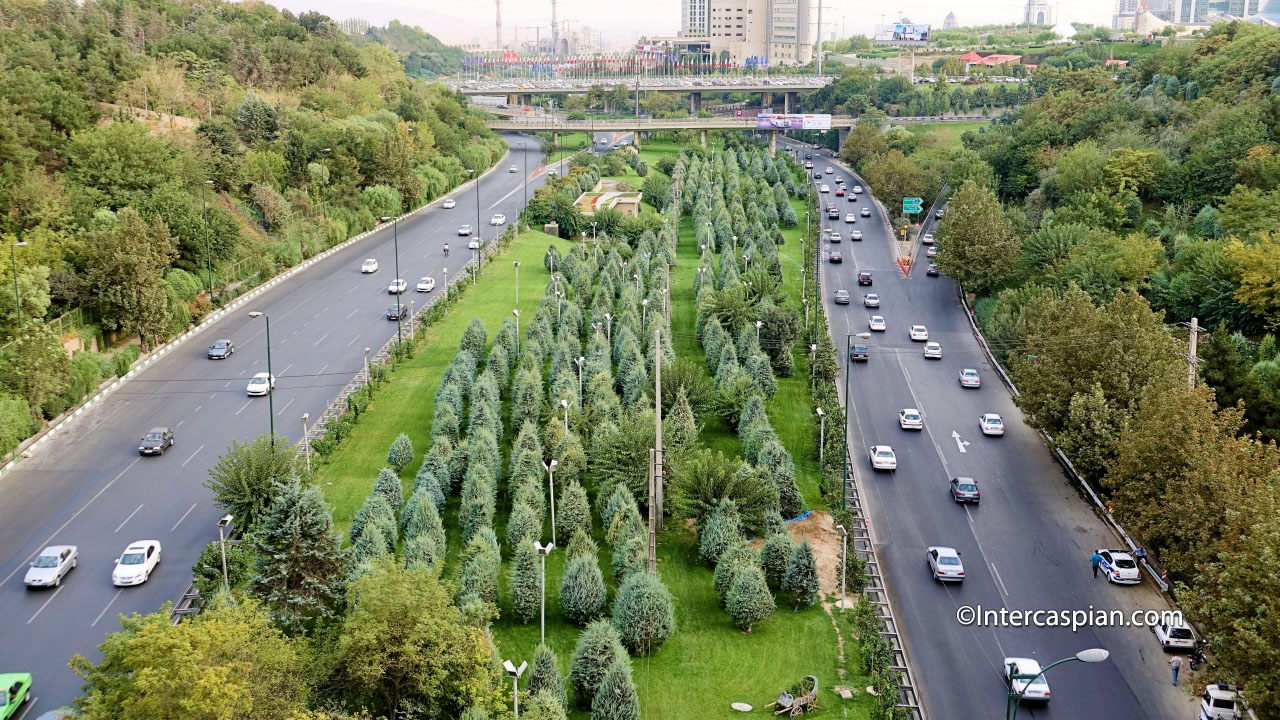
[446,249]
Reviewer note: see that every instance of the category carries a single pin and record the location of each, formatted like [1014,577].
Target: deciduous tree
[976,246]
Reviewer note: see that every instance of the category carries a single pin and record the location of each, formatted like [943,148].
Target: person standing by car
[1095,560]
[1175,663]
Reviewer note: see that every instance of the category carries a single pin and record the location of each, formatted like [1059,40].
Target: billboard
[793,122]
[902,34]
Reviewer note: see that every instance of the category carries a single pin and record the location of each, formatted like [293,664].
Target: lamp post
[515,673]
[735,244]
[208,251]
[805,301]
[844,472]
[593,231]
[644,311]
[17,294]
[223,522]
[596,326]
[543,552]
[516,313]
[759,324]
[559,305]
[551,485]
[579,361]
[476,173]
[636,277]
[608,328]
[367,377]
[516,264]
[666,306]
[565,404]
[410,316]
[524,156]
[306,442]
[1092,655]
[822,437]
[844,560]
[395,238]
[271,378]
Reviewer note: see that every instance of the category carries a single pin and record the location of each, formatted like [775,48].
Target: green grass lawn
[946,134]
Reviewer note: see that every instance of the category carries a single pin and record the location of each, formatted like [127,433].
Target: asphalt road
[89,487]
[1025,547]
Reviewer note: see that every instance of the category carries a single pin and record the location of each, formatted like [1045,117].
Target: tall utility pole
[818,48]
[555,29]
[657,414]
[1192,357]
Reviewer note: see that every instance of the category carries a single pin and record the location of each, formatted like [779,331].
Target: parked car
[156,441]
[965,490]
[50,566]
[945,565]
[426,284]
[260,384]
[842,297]
[991,424]
[135,564]
[221,349]
[1119,566]
[1174,636]
[1220,702]
[369,266]
[969,378]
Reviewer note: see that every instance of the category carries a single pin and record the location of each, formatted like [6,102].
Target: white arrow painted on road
[959,443]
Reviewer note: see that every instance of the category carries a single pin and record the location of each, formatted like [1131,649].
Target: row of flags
[608,62]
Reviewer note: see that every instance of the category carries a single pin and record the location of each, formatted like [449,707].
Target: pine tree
[629,557]
[599,646]
[421,551]
[738,556]
[429,482]
[542,705]
[616,697]
[749,600]
[544,676]
[680,428]
[774,556]
[526,587]
[400,455]
[801,579]
[478,579]
[388,485]
[722,530]
[644,613]
[790,501]
[581,543]
[582,591]
[300,560]
[474,340]
[420,517]
[524,522]
[574,512]
[375,511]
[371,545]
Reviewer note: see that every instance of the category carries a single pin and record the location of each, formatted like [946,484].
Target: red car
[839,192]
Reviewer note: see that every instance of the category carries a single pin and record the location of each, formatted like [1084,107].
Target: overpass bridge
[521,92]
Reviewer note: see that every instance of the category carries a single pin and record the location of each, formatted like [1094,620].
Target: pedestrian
[1094,561]
[1176,663]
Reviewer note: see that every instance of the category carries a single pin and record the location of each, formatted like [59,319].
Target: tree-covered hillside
[128,128]
[422,54]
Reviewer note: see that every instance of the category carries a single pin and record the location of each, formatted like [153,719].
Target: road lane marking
[179,424]
[197,452]
[197,408]
[74,515]
[353,340]
[357,287]
[317,342]
[46,603]
[499,201]
[959,443]
[996,572]
[286,369]
[184,517]
[322,368]
[212,396]
[353,312]
[34,701]
[135,512]
[242,407]
[108,607]
[286,406]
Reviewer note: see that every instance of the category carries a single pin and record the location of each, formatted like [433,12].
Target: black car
[221,349]
[864,278]
[835,258]
[817,176]
[397,312]
[860,353]
[932,271]
[808,156]
[965,489]
[156,441]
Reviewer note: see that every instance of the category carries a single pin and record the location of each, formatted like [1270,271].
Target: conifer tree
[732,561]
[801,579]
[581,543]
[400,455]
[524,522]
[644,613]
[582,591]
[544,676]
[616,698]
[574,512]
[749,600]
[774,557]
[388,485]
[375,511]
[526,582]
[421,551]
[599,646]
[722,530]
[680,428]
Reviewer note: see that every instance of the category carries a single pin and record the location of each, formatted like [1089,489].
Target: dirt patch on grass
[823,537]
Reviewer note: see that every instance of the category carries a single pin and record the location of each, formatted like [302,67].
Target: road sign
[912,205]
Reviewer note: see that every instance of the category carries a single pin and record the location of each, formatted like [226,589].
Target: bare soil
[823,537]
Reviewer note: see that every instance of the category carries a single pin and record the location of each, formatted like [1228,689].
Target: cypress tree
[429,482]
[523,523]
[680,429]
[644,613]
[735,558]
[574,512]
[544,676]
[421,551]
[582,591]
[478,579]
[371,545]
[774,556]
[599,646]
[375,511]
[400,454]
[801,579]
[474,340]
[420,517]
[749,600]
[629,557]
[526,582]
[388,484]
[616,698]
[581,543]
[722,530]
[542,705]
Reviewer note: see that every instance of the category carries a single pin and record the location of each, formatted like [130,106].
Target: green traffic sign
[912,204]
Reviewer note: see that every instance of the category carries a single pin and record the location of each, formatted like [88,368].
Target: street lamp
[559,305]
[516,312]
[525,158]
[367,377]
[644,311]
[543,552]
[477,177]
[759,324]
[223,522]
[735,244]
[579,361]
[271,379]
[565,404]
[636,277]
[208,252]
[844,559]
[551,485]
[17,294]
[516,264]
[1092,655]
[608,329]
[822,436]
[515,673]
[395,236]
[306,443]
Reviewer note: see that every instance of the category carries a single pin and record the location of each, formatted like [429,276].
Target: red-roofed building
[971,57]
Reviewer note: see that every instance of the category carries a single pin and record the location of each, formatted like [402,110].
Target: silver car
[945,565]
[51,565]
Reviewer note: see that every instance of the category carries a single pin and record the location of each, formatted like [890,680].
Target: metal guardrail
[556,124]
[708,84]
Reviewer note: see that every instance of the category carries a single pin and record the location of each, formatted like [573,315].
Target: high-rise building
[1125,17]
[695,17]
[1038,12]
[950,23]
[776,30]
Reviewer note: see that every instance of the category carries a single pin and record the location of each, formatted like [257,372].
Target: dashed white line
[352,313]
[317,342]
[353,341]
[197,452]
[286,406]
[357,287]
[105,609]
[135,512]
[286,369]
[46,603]
[212,396]
[179,424]
[995,572]
[197,408]
[322,369]
[184,517]
[242,407]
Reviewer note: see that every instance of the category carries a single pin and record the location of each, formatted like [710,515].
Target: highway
[89,487]
[1025,547]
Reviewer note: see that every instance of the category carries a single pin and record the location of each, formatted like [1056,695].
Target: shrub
[400,455]
[388,486]
[574,512]
[582,590]
[774,556]
[616,697]
[801,578]
[749,600]
[599,646]
[723,529]
[526,583]
[643,613]
[629,557]
[544,676]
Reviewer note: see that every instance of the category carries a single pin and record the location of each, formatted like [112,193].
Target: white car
[876,322]
[260,384]
[855,235]
[1220,702]
[866,212]
[449,204]
[910,419]
[835,237]
[927,239]
[464,230]
[135,564]
[969,378]
[919,333]
[473,244]
[51,565]
[825,189]
[882,458]
[857,189]
[397,286]
[1119,566]
[839,181]
[1036,690]
[369,266]
[513,169]
[991,424]
[850,218]
[829,170]
[871,300]
[945,565]
[932,351]
[426,284]
[498,219]
[1174,637]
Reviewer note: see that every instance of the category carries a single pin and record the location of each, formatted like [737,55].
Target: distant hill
[421,53]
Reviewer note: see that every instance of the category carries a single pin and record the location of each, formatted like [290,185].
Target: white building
[1038,12]
[779,30]
[695,18]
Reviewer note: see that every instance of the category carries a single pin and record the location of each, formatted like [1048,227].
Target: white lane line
[197,408]
[179,424]
[197,452]
[212,396]
[74,515]
[517,189]
[353,312]
[34,701]
[286,407]
[357,287]
[105,609]
[996,572]
[317,342]
[184,517]
[322,368]
[135,512]
[242,407]
[46,603]
[228,383]
[353,341]
[286,369]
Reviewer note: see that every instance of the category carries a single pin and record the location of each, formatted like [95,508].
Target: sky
[626,20]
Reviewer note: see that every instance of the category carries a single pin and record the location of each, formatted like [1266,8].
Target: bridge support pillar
[703,139]
[841,134]
[636,139]
[791,102]
[766,99]
[695,103]
[526,99]
[773,142]
[513,99]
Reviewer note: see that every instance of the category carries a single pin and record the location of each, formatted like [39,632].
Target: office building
[695,18]
[779,30]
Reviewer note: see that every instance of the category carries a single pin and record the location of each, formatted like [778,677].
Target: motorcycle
[446,249]
[1197,658]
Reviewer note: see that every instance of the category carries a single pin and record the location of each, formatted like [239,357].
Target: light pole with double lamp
[17,294]
[822,437]
[515,673]
[271,378]
[543,552]
[395,239]
[579,362]
[1092,655]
